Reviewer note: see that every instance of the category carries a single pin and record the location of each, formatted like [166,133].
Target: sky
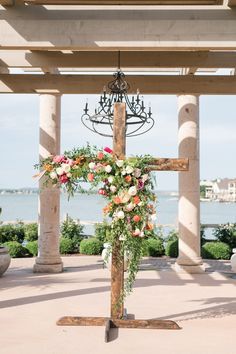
[19,136]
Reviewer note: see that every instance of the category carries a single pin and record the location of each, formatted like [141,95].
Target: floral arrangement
[125,184]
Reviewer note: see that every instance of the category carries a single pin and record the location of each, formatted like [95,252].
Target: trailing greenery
[226,233]
[91,246]
[32,247]
[31,232]
[12,232]
[72,230]
[153,247]
[216,250]
[16,250]
[67,246]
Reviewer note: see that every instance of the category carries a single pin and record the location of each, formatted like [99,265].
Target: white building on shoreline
[222,190]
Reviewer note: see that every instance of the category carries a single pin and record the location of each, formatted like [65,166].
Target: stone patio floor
[203,305]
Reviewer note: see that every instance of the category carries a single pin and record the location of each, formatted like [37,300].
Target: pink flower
[102,192]
[140,184]
[107,149]
[70,162]
[63,178]
[59,158]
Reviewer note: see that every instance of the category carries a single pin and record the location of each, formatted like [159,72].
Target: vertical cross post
[117,267]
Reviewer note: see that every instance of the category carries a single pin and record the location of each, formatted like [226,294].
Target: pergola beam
[30,27]
[108,59]
[113,2]
[231,3]
[93,84]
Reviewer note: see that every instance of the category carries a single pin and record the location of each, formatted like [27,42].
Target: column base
[189,269]
[40,267]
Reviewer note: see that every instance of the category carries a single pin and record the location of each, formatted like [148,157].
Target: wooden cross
[117,320]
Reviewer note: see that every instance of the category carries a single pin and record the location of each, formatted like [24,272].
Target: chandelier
[138,119]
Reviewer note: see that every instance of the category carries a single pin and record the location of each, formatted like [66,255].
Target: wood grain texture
[117,267]
[167,164]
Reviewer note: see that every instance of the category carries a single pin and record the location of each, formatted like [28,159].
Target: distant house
[223,190]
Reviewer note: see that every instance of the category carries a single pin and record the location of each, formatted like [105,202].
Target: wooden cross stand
[118,319]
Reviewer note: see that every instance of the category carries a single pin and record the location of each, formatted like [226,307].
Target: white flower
[53,175]
[129,170]
[110,179]
[137,172]
[130,206]
[122,238]
[124,196]
[153,216]
[113,189]
[108,168]
[132,191]
[123,172]
[145,178]
[65,167]
[140,204]
[120,214]
[69,174]
[59,171]
[119,163]
[141,234]
[91,165]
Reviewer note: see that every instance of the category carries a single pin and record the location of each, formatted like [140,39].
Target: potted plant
[5,260]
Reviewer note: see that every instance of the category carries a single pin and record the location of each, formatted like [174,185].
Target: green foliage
[32,247]
[153,247]
[226,233]
[91,246]
[31,232]
[67,246]
[12,232]
[172,247]
[73,231]
[203,191]
[103,232]
[16,250]
[216,250]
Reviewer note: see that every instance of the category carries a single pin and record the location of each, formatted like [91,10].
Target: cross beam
[93,84]
[94,60]
[117,319]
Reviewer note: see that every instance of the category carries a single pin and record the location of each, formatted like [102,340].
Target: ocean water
[88,208]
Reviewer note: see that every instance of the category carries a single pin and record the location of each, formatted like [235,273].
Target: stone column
[189,259]
[49,260]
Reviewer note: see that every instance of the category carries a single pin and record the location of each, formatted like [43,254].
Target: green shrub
[32,247]
[172,247]
[153,247]
[91,246]
[12,232]
[216,250]
[16,250]
[103,232]
[31,231]
[226,233]
[67,246]
[172,236]
[72,230]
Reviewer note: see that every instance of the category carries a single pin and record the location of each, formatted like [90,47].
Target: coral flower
[100,155]
[128,179]
[90,177]
[136,218]
[149,226]
[136,200]
[117,200]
